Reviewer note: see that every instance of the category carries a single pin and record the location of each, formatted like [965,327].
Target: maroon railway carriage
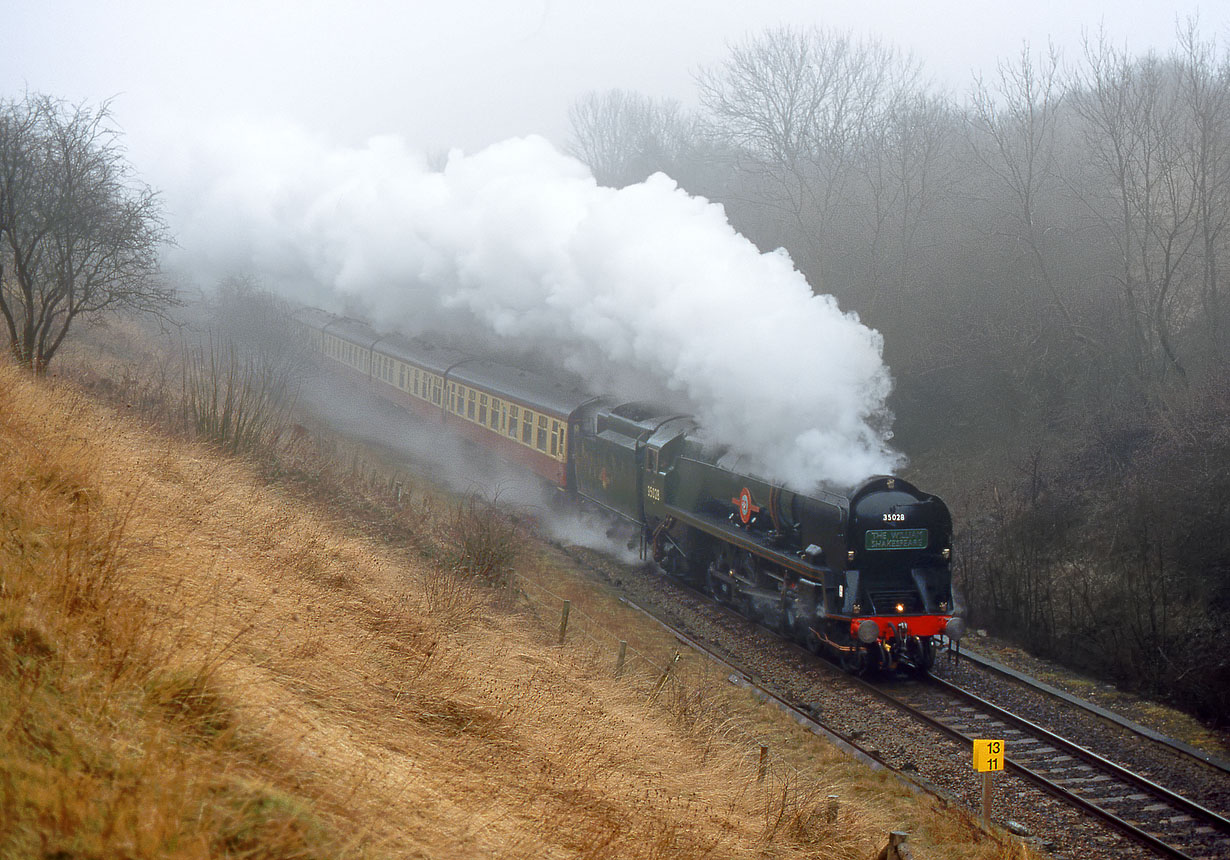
[412,373]
[523,417]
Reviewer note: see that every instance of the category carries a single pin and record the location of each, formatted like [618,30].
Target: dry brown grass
[193,664]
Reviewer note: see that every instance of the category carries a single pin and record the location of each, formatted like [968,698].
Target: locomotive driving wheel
[856,662]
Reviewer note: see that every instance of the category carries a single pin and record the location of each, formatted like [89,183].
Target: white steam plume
[644,289]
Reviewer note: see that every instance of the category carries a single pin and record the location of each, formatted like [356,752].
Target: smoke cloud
[643,291]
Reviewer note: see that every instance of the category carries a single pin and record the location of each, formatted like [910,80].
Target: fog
[429,449]
[403,162]
[470,73]
[641,292]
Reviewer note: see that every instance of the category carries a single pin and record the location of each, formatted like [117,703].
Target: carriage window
[482,409]
[554,438]
[527,428]
[495,414]
[436,388]
[471,404]
[512,420]
[542,433]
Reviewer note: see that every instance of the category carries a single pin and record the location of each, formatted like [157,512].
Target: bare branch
[80,234]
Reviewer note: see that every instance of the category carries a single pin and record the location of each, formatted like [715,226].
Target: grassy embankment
[195,662]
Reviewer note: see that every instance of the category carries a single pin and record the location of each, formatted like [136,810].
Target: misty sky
[289,139]
[470,72]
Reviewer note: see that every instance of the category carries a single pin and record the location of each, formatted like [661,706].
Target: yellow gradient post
[988,757]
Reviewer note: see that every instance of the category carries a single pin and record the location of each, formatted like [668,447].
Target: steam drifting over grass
[644,291]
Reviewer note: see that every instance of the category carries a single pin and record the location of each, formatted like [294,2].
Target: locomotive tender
[865,577]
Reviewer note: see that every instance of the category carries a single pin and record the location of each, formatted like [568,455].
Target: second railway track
[1075,802]
[1165,821]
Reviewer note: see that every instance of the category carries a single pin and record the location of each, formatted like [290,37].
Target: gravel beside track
[902,742]
[1177,771]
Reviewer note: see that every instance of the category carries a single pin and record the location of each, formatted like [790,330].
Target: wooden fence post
[563,621]
[657,688]
[623,655]
[764,762]
[896,849]
[831,811]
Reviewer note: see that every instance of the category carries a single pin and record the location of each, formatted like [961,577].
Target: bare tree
[906,171]
[1142,134]
[1205,93]
[1013,127]
[798,105]
[78,236]
[624,136]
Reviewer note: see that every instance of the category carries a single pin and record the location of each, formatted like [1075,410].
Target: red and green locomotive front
[897,590]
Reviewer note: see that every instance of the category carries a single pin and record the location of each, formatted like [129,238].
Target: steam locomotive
[864,577]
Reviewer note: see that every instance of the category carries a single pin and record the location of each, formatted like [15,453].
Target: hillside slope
[194,663]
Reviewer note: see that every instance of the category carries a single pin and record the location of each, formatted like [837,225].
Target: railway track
[1166,822]
[1162,821]
[982,673]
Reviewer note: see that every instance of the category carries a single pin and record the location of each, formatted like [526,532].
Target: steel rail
[1060,743]
[1132,831]
[747,679]
[1156,737]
